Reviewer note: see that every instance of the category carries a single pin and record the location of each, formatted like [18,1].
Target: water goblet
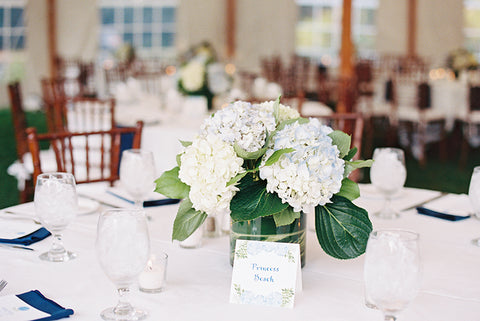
[123,249]
[388,175]
[137,174]
[55,202]
[474,196]
[392,270]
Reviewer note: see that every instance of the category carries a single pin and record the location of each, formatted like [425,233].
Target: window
[12,29]
[471,26]
[12,40]
[318,30]
[148,25]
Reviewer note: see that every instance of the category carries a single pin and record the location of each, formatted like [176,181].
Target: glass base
[161,289]
[134,315]
[387,213]
[57,257]
[476,241]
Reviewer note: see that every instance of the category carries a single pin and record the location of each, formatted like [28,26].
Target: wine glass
[123,249]
[388,175]
[137,174]
[55,202]
[392,270]
[474,196]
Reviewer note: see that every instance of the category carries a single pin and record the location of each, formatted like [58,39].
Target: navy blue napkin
[40,302]
[150,203]
[28,239]
[444,216]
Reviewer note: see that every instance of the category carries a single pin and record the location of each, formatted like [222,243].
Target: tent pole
[52,36]
[346,56]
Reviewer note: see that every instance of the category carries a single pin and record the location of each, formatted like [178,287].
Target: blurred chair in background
[90,156]
[471,125]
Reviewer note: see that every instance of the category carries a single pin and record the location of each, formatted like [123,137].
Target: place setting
[135,187]
[386,197]
[55,206]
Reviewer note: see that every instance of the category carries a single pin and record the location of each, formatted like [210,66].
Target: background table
[199,279]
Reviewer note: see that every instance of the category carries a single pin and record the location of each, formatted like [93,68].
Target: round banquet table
[198,280]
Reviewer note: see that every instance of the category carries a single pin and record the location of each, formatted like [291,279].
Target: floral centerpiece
[263,161]
[461,59]
[194,72]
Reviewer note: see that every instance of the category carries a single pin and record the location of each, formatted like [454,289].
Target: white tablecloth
[199,279]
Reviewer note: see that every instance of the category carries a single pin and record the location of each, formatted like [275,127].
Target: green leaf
[236,178]
[349,189]
[276,109]
[350,166]
[284,123]
[342,141]
[351,153]
[249,155]
[187,221]
[285,217]
[185,143]
[276,155]
[342,228]
[178,158]
[253,200]
[171,186]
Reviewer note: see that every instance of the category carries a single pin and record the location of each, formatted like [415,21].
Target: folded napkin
[451,207]
[28,239]
[445,216]
[40,302]
[148,203]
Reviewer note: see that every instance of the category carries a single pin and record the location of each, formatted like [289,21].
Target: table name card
[266,273]
[14,309]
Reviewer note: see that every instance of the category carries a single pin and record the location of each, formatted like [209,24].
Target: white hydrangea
[311,174]
[193,75]
[284,112]
[207,165]
[241,123]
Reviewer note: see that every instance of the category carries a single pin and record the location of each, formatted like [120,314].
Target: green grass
[8,185]
[443,175]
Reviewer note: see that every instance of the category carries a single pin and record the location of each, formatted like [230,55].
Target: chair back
[54,98]
[115,75]
[424,96]
[86,114]
[19,119]
[474,98]
[90,156]
[150,82]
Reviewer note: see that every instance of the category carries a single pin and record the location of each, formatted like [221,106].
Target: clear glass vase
[264,229]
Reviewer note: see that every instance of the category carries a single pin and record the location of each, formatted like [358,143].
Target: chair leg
[24,195]
[464,153]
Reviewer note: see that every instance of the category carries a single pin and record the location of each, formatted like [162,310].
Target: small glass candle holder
[193,241]
[153,277]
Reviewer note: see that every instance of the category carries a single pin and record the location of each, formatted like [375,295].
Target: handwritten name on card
[265,273]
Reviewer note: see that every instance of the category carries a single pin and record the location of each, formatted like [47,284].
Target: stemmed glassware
[55,207]
[137,174]
[388,175]
[392,270]
[123,249]
[474,196]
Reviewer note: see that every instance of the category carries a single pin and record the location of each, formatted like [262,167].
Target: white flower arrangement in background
[192,75]
[263,159]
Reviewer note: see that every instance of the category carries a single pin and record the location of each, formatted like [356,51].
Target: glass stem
[386,204]
[390,317]
[57,244]
[138,204]
[123,307]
